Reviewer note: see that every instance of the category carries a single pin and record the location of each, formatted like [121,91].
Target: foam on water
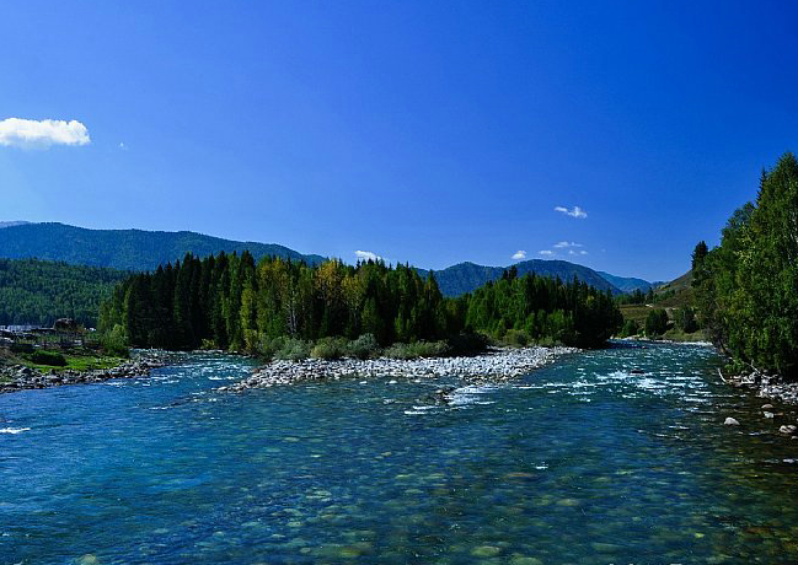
[13,431]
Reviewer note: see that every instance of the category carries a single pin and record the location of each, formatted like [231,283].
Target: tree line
[747,287]
[230,302]
[537,309]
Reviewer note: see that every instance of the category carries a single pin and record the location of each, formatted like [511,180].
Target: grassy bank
[72,360]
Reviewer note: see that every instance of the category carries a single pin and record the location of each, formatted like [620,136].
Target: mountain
[138,250]
[129,250]
[12,224]
[467,277]
[627,284]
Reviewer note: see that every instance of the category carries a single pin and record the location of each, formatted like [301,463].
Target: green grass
[75,362]
[80,363]
[636,312]
[677,335]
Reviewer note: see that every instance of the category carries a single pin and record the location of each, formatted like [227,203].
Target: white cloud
[573,248]
[122,146]
[520,254]
[575,212]
[367,256]
[567,244]
[16,132]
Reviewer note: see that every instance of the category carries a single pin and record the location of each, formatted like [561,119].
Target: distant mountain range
[138,250]
[129,250]
[629,284]
[467,277]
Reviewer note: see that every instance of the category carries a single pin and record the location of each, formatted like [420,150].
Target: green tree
[656,322]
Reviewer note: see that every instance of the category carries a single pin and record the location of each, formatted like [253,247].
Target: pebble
[497,365]
[731,422]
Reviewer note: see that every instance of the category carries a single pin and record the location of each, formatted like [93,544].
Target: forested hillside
[38,292]
[132,250]
[746,289]
[229,302]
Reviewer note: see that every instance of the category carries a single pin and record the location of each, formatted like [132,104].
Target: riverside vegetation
[291,310]
[746,289]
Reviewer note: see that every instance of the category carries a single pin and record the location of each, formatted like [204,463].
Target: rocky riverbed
[19,377]
[494,366]
[772,387]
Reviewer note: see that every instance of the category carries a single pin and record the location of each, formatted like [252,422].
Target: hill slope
[39,292]
[134,250]
[467,277]
[627,284]
[676,294]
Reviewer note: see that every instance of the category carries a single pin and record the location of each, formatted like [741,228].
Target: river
[586,461]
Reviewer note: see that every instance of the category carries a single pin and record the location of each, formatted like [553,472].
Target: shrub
[468,343]
[50,358]
[329,348]
[363,347]
[630,328]
[548,341]
[685,320]
[516,338]
[292,349]
[115,342]
[417,349]
[656,322]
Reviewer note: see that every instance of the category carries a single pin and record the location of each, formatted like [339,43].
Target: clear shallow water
[580,462]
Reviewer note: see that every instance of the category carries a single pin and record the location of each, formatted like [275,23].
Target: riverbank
[15,378]
[695,339]
[497,365]
[771,387]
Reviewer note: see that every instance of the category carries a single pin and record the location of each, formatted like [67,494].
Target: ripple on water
[580,462]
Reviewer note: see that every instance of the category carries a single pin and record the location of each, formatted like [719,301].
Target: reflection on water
[617,456]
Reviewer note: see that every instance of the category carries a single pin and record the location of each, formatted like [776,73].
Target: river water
[586,461]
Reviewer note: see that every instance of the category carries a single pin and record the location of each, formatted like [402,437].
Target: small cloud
[520,254]
[575,212]
[572,247]
[16,132]
[122,146]
[367,256]
[567,244]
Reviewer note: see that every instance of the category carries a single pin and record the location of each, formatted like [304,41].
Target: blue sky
[428,132]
